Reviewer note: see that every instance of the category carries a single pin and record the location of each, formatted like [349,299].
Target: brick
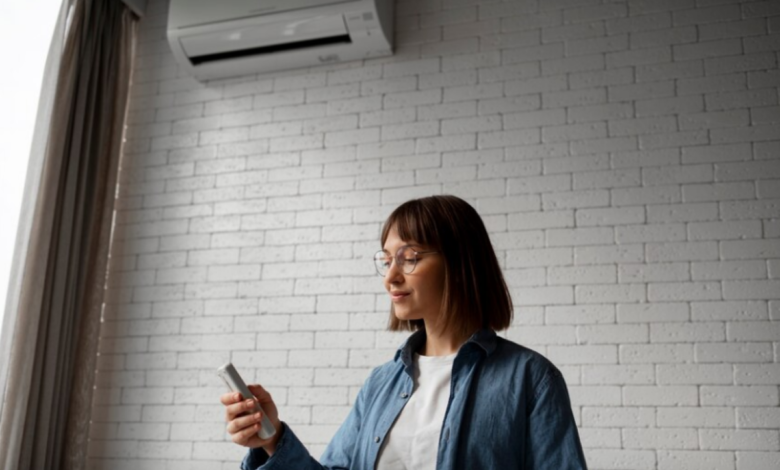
[739,440]
[733,29]
[586,97]
[718,191]
[695,460]
[543,295]
[650,233]
[608,254]
[753,331]
[734,353]
[607,179]
[676,175]
[652,313]
[683,291]
[598,293]
[691,332]
[579,236]
[740,99]
[698,374]
[729,311]
[535,85]
[663,438]
[680,105]
[643,158]
[575,199]
[645,195]
[706,15]
[762,374]
[741,210]
[729,270]
[705,49]
[757,460]
[595,354]
[581,275]
[700,417]
[672,395]
[746,171]
[655,353]
[714,120]
[601,78]
[612,334]
[600,112]
[751,290]
[621,459]
[610,216]
[579,314]
[547,334]
[757,417]
[618,417]
[534,118]
[661,272]
[692,212]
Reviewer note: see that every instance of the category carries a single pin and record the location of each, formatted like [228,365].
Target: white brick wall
[624,155]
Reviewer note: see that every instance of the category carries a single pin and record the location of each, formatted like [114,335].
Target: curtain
[53,314]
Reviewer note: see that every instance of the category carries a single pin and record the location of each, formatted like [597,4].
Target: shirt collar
[484,338]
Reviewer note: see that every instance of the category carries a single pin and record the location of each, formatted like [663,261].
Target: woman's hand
[242,426]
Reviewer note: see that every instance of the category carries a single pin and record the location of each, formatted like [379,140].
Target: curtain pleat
[50,377]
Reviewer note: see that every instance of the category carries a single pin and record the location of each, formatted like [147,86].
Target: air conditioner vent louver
[264,50]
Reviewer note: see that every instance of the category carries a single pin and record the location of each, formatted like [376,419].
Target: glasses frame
[396,258]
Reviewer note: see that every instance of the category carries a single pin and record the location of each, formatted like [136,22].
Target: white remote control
[236,384]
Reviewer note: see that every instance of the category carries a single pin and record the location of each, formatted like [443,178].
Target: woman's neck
[441,343]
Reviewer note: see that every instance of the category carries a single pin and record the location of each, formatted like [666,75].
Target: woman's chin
[403,315]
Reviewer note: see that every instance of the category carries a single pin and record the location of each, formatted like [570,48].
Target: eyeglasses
[405,257]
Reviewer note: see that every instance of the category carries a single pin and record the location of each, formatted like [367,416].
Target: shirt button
[404,395]
[377,439]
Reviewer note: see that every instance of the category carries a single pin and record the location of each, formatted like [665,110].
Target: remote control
[236,384]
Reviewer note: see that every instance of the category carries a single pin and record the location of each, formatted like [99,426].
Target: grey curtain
[48,373]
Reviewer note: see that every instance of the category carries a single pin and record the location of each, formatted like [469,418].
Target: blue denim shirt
[508,409]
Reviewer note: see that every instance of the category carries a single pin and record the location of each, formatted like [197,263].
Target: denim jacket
[508,409]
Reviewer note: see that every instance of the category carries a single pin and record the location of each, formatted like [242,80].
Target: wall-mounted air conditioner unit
[227,38]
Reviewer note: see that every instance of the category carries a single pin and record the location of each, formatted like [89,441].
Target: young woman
[455,395]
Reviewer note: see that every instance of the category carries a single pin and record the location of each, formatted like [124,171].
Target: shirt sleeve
[291,454]
[553,440]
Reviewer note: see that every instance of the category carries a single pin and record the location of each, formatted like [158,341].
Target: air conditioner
[228,38]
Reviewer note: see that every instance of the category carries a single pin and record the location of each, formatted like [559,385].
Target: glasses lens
[382,262]
[406,259]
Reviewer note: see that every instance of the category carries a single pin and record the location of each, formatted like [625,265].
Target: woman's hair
[475,294]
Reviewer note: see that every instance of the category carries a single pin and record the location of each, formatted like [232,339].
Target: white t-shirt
[413,441]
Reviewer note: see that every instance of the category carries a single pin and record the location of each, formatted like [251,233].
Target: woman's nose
[394,273]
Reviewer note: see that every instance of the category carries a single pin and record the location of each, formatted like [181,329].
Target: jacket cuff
[288,449]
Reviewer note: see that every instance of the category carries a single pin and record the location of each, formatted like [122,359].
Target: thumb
[259,392]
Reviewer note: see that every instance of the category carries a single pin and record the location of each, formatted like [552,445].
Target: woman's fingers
[243,436]
[243,416]
[237,409]
[243,422]
[230,398]
[258,391]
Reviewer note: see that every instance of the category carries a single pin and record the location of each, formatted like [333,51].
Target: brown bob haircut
[475,294]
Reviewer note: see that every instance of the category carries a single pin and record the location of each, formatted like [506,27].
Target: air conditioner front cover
[214,42]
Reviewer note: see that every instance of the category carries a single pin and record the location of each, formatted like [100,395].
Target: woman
[456,395]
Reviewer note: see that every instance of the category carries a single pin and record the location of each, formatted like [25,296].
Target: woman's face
[415,296]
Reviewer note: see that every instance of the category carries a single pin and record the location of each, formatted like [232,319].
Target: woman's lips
[398,295]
